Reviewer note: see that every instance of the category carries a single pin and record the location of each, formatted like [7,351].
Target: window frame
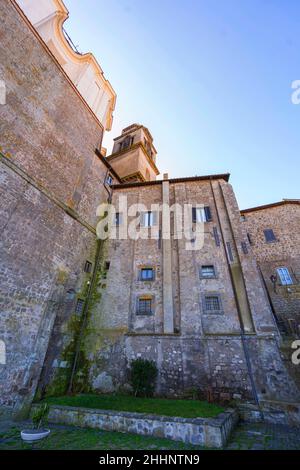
[284,268]
[80,302]
[147,279]
[148,219]
[219,311]
[202,276]
[88,267]
[270,230]
[145,312]
[205,215]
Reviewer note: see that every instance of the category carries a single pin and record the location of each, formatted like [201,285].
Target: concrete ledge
[204,432]
[274,412]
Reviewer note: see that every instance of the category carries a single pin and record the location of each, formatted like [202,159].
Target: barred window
[212,303]
[144,306]
[208,271]
[79,306]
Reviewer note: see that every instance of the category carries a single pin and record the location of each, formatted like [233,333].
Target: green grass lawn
[72,438]
[158,406]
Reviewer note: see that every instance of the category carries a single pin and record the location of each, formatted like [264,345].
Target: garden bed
[154,406]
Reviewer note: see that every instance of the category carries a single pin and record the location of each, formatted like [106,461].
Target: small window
[285,277]
[147,274]
[229,251]
[208,271]
[107,265]
[249,239]
[201,214]
[212,303]
[244,248]
[79,306]
[109,180]
[269,235]
[148,219]
[216,236]
[144,306]
[88,267]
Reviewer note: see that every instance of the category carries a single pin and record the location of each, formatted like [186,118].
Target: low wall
[204,432]
[275,412]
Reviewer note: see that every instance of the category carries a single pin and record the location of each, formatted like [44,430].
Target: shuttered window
[149,219]
[285,277]
[201,214]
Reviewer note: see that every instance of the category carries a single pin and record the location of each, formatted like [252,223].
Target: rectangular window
[269,235]
[249,239]
[147,274]
[144,306]
[79,306]
[229,251]
[208,271]
[285,277]
[216,236]
[201,214]
[148,219]
[88,267]
[212,303]
[244,248]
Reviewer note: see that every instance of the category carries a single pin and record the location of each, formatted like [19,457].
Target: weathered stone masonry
[233,354]
[51,184]
[52,181]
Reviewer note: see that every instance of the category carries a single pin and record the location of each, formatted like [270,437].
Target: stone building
[273,231]
[75,310]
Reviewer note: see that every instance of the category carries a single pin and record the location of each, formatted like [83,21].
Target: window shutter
[244,248]
[216,236]
[154,218]
[229,251]
[207,212]
[194,215]
[143,219]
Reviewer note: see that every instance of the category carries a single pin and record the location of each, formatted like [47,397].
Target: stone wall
[284,220]
[51,183]
[231,354]
[213,432]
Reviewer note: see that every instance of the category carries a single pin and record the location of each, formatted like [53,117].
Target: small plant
[40,416]
[143,377]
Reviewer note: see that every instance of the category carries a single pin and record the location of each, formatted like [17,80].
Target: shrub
[40,415]
[143,377]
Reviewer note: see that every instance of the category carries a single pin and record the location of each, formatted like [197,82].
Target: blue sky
[211,79]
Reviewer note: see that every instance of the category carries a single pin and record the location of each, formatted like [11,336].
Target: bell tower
[134,155]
